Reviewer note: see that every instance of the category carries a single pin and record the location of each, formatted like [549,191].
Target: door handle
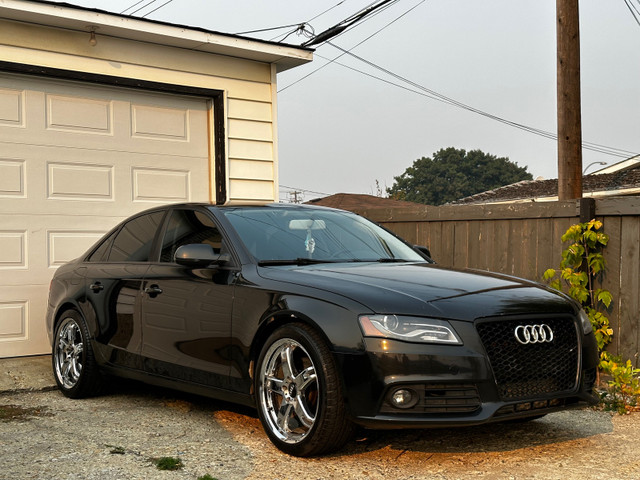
[153,290]
[96,287]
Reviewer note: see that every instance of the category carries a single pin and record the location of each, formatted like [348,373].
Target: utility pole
[569,116]
[295,197]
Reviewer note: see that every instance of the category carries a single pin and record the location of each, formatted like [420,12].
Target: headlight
[586,323]
[409,329]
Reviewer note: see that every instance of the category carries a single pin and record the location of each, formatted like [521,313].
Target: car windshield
[305,235]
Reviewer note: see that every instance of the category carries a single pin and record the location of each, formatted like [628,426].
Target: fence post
[587,209]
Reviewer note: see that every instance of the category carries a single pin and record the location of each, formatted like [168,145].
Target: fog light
[521,407]
[403,398]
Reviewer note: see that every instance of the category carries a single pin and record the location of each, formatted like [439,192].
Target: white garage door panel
[102,183]
[22,319]
[75,160]
[123,120]
[31,248]
[11,107]
[12,178]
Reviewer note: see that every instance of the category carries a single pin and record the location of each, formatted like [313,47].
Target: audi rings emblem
[529,334]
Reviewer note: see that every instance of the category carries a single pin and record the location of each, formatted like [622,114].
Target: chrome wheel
[68,353]
[289,390]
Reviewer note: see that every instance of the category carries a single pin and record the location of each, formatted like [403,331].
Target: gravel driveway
[116,435]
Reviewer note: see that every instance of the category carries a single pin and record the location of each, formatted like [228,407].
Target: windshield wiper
[392,260]
[293,261]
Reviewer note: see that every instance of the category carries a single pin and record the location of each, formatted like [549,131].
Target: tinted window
[102,252]
[189,226]
[133,242]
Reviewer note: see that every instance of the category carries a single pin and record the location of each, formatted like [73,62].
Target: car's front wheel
[74,365]
[299,394]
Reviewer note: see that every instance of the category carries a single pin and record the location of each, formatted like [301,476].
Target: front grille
[528,371]
[437,398]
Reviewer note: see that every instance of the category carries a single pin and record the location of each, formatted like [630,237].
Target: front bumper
[455,385]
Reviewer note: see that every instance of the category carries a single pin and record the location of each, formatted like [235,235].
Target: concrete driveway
[44,435]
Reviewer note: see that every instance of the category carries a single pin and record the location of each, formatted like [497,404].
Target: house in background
[358,202]
[104,115]
[620,179]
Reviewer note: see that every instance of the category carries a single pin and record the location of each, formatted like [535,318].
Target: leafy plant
[624,386]
[581,266]
[207,477]
[580,269]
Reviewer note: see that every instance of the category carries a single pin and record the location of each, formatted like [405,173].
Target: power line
[356,45]
[143,7]
[268,29]
[634,10]
[132,6]
[300,27]
[157,8]
[347,22]
[304,190]
[149,3]
[448,100]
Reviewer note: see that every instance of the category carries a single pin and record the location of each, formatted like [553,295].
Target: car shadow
[494,437]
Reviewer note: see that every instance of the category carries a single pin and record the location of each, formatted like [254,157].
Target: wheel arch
[270,323]
[335,324]
[61,309]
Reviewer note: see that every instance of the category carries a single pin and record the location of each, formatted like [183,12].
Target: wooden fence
[524,240]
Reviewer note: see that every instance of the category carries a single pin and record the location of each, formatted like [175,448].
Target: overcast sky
[340,130]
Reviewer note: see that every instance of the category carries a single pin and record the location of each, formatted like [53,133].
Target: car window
[101,253]
[189,226]
[134,240]
[280,234]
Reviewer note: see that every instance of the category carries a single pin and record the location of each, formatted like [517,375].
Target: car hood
[425,289]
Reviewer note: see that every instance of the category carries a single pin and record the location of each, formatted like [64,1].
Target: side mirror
[424,252]
[199,255]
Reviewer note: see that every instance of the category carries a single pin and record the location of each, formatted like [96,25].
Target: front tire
[299,394]
[74,366]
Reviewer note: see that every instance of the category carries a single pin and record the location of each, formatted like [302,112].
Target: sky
[342,131]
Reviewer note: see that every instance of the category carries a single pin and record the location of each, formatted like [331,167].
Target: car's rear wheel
[74,365]
[299,394]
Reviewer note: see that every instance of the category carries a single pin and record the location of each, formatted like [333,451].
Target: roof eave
[142,30]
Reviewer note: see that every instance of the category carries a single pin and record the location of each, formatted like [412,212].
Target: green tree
[453,174]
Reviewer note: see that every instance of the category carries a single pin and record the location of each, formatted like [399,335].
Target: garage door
[75,159]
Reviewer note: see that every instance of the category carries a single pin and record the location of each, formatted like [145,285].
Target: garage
[104,115]
[75,160]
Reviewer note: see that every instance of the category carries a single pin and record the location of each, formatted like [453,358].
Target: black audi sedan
[319,319]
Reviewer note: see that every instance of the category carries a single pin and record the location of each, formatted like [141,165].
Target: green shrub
[581,267]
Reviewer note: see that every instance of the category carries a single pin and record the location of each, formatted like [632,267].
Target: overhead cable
[157,8]
[304,190]
[424,91]
[132,6]
[634,10]
[356,45]
[346,23]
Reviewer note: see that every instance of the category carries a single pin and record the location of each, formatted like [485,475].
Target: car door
[113,283]
[186,312]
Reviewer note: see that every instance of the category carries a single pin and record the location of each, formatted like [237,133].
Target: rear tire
[299,395]
[74,366]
